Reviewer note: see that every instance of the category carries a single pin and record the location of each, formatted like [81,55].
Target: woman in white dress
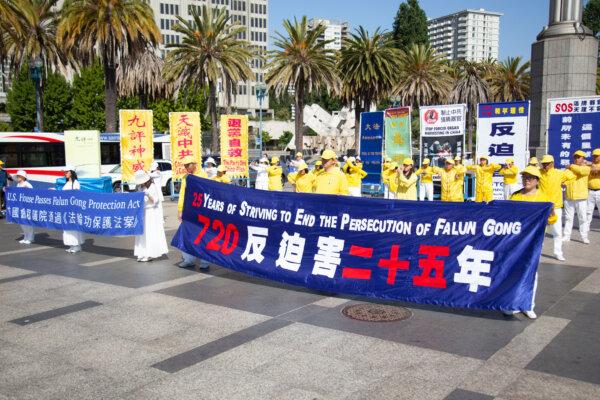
[73,239]
[210,167]
[153,242]
[262,177]
[22,182]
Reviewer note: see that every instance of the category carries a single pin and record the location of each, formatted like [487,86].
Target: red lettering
[433,269]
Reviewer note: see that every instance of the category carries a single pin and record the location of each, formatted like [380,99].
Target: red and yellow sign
[186,140]
[137,145]
[234,145]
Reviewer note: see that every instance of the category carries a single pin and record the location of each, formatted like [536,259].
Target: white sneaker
[566,239]
[510,313]
[26,242]
[145,259]
[69,250]
[530,314]
[22,241]
[586,241]
[75,249]
[560,257]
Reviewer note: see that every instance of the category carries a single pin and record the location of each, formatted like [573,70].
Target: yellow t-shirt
[452,184]
[577,189]
[510,175]
[304,183]
[551,184]
[594,179]
[332,182]
[222,179]
[354,174]
[275,172]
[538,197]
[426,174]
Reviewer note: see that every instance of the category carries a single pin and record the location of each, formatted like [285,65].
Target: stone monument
[563,64]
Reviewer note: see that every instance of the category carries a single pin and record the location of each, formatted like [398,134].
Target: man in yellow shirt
[451,181]
[594,186]
[426,184]
[484,185]
[406,181]
[302,180]
[331,180]
[318,168]
[384,177]
[275,171]
[354,175]
[390,176]
[461,170]
[576,197]
[191,167]
[510,173]
[222,175]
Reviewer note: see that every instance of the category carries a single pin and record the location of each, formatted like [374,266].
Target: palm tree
[367,68]
[471,88]
[424,77]
[510,80]
[302,62]
[210,51]
[113,30]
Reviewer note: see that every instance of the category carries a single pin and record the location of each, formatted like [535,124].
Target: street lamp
[35,68]
[261,93]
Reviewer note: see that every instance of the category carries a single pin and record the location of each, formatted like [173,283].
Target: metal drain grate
[376,312]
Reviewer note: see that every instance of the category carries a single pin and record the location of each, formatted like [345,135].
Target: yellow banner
[186,140]
[234,145]
[137,144]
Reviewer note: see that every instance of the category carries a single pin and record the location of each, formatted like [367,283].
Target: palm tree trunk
[471,129]
[212,110]
[299,122]
[110,96]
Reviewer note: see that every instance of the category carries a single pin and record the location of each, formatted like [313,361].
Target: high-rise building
[472,35]
[253,14]
[334,30]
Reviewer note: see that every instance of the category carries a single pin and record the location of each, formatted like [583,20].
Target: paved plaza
[99,325]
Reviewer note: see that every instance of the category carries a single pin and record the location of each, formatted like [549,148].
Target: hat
[533,161]
[596,152]
[188,160]
[221,168]
[298,154]
[408,161]
[457,158]
[547,159]
[510,161]
[484,157]
[274,160]
[531,170]
[264,160]
[69,167]
[1,162]
[387,159]
[21,173]
[426,161]
[450,161]
[140,177]
[318,163]
[328,154]
[579,153]
[302,165]
[210,160]
[351,159]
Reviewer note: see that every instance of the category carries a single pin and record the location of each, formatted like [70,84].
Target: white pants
[557,232]
[386,191]
[426,189]
[27,232]
[535,282]
[188,258]
[592,203]
[509,190]
[354,191]
[571,206]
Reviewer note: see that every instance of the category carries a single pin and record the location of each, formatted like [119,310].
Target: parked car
[166,175]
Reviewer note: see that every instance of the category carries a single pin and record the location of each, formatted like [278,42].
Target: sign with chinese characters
[186,140]
[371,145]
[137,145]
[571,126]
[82,149]
[442,132]
[234,145]
[105,214]
[470,255]
[503,132]
[398,134]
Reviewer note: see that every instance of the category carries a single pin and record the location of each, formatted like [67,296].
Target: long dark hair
[73,176]
[409,172]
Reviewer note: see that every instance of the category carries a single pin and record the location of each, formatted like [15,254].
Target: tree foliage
[87,111]
[20,102]
[410,25]
[57,99]
[591,16]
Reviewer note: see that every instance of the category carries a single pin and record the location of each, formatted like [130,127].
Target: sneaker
[69,250]
[26,241]
[509,313]
[184,264]
[586,241]
[144,259]
[530,314]
[22,241]
[75,249]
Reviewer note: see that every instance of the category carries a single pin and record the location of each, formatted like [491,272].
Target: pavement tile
[460,394]
[394,387]
[491,379]
[538,386]
[8,272]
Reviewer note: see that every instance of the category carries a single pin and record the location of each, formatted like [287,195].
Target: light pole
[35,68]
[261,92]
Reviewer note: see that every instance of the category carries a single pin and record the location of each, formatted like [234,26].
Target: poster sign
[137,146]
[573,125]
[82,149]
[371,145]
[442,132]
[398,134]
[234,145]
[470,255]
[186,140]
[503,132]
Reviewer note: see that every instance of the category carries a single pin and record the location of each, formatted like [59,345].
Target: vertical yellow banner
[186,140]
[234,145]
[137,144]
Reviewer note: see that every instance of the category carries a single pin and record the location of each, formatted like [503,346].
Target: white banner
[442,132]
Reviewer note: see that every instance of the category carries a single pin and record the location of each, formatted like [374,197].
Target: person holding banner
[5,178]
[451,180]
[576,197]
[191,167]
[331,180]
[302,180]
[275,172]
[531,177]
[73,239]
[221,175]
[387,163]
[153,242]
[426,185]
[262,177]
[406,181]
[354,175]
[22,182]
[594,186]
[510,173]
[484,173]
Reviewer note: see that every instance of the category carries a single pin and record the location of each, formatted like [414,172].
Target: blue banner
[371,145]
[105,214]
[571,126]
[472,255]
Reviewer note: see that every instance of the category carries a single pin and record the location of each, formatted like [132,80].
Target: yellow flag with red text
[137,142]
[234,145]
[186,140]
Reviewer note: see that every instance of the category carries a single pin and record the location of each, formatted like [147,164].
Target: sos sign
[562,107]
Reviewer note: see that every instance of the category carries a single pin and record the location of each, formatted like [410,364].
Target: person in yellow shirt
[576,197]
[594,186]
[222,175]
[331,180]
[384,177]
[274,171]
[461,170]
[406,181]
[390,176]
[484,172]
[318,168]
[302,180]
[533,162]
[426,184]
[530,192]
[354,175]
[191,167]
[451,180]
[510,173]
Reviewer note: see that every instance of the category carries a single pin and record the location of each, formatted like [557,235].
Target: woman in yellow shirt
[406,181]
[274,171]
[510,173]
[354,175]
[391,177]
[451,180]
[426,185]
[484,172]
[222,175]
[302,180]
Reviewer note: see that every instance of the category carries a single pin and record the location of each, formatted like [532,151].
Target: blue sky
[519,26]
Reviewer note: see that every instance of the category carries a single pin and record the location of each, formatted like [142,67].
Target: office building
[335,31]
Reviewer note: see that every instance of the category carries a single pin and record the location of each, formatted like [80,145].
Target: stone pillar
[563,64]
